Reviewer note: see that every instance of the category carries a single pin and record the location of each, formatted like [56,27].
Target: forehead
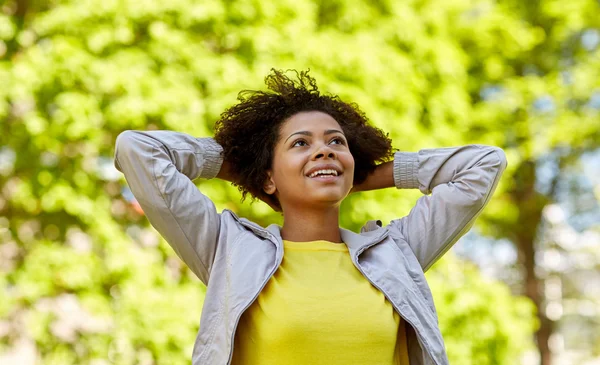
[312,121]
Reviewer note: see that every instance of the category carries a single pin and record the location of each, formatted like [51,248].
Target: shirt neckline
[318,245]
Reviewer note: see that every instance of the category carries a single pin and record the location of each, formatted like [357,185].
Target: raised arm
[159,167]
[461,181]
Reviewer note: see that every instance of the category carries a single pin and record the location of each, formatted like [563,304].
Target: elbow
[125,146]
[125,139]
[487,172]
[495,164]
[495,158]
[501,156]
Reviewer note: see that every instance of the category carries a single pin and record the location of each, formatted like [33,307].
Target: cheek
[288,168]
[348,162]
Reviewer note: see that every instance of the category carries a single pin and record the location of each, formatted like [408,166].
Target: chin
[333,200]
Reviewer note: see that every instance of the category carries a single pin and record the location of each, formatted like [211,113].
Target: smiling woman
[260,127]
[335,297]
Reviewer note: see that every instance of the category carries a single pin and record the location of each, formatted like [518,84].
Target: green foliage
[482,323]
[76,73]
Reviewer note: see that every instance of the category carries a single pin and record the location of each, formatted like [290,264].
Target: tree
[431,73]
[556,82]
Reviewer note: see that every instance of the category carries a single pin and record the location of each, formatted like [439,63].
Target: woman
[335,297]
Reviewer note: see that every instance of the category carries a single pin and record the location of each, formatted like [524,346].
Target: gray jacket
[235,257]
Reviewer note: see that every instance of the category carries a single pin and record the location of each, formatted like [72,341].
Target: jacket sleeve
[461,181]
[159,167]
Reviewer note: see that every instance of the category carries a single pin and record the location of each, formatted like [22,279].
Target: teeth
[324,172]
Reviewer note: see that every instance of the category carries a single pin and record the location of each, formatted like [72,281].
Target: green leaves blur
[432,73]
[482,323]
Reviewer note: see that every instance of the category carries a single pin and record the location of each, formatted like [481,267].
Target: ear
[269,185]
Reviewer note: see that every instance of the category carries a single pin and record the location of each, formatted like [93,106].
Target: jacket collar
[370,235]
[355,242]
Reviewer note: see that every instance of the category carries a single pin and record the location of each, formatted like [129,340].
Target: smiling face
[312,164]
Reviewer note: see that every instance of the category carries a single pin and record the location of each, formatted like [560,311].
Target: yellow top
[319,309]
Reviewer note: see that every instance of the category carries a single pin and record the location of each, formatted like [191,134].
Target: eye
[339,140]
[300,143]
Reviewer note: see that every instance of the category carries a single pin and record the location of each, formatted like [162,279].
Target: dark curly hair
[249,130]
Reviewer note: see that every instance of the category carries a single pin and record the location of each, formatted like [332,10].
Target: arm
[382,177]
[159,167]
[461,181]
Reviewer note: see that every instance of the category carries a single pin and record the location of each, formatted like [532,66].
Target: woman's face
[312,164]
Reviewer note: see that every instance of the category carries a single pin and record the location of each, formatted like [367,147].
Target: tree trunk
[531,204]
[534,290]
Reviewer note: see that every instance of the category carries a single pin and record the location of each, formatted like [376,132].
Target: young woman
[308,292]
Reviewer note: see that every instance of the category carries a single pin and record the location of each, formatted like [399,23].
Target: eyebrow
[307,133]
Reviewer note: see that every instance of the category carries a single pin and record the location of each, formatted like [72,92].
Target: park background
[84,279]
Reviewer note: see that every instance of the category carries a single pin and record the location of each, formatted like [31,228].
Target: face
[312,164]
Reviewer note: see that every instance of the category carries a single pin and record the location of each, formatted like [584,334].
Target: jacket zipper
[237,321]
[392,302]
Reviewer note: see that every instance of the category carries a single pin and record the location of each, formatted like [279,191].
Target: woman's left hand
[382,177]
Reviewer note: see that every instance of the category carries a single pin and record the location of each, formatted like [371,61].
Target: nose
[324,151]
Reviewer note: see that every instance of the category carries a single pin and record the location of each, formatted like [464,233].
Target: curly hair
[249,130]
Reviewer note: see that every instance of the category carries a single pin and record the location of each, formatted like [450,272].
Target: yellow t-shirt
[319,309]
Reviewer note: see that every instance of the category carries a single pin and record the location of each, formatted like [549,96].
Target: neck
[303,225]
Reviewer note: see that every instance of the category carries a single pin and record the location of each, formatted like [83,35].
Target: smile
[324,173]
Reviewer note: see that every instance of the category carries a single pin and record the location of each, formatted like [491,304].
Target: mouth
[325,174]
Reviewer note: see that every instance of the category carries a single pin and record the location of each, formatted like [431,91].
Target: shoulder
[230,221]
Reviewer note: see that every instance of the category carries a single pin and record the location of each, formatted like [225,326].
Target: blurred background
[84,279]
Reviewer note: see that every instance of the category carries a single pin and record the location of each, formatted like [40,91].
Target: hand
[382,177]
[225,172]
[358,188]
